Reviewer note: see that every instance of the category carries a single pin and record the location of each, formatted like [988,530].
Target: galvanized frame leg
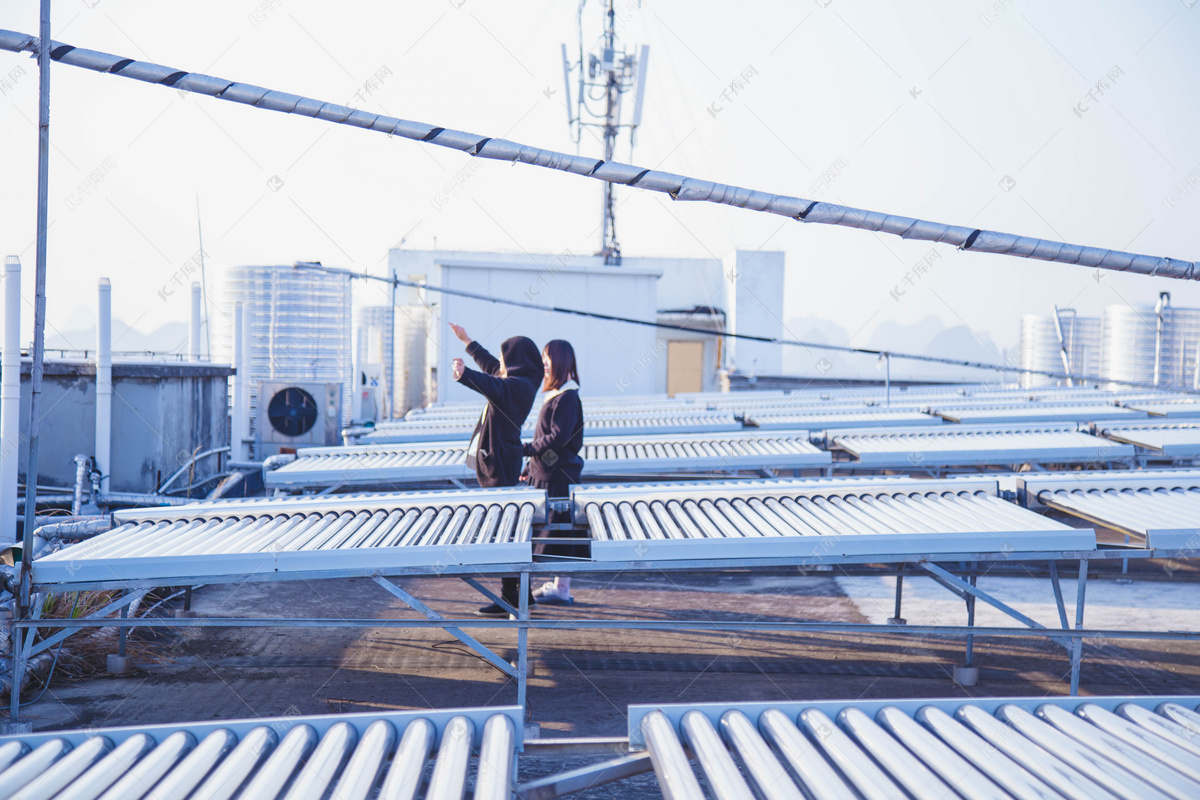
[896,618]
[523,641]
[1077,644]
[970,624]
[1058,597]
[493,659]
[22,652]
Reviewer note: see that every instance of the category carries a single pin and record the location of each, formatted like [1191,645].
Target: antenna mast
[606,73]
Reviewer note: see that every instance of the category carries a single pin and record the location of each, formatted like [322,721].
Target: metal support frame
[456,632]
[586,777]
[1070,639]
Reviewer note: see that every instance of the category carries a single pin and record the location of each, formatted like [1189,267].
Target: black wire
[53,663]
[981,365]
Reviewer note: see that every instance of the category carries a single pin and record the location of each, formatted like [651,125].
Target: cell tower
[604,75]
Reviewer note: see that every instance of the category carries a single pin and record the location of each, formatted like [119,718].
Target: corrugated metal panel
[292,537]
[950,445]
[1113,747]
[1173,439]
[1162,506]
[350,757]
[790,519]
[393,464]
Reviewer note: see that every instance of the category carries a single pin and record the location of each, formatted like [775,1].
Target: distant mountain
[169,338]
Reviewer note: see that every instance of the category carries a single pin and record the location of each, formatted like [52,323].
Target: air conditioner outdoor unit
[295,414]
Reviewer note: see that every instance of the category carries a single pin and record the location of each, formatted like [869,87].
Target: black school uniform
[495,449]
[554,461]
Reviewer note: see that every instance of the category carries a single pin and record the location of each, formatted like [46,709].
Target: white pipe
[81,478]
[104,385]
[10,399]
[243,378]
[194,331]
[239,366]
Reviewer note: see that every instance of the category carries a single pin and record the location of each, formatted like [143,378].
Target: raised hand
[460,333]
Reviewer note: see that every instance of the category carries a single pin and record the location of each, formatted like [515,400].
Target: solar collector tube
[65,770]
[902,516]
[796,522]
[472,527]
[364,522]
[812,516]
[365,765]
[123,544]
[629,521]
[509,528]
[1170,730]
[147,772]
[234,769]
[771,516]
[765,521]
[187,774]
[597,524]
[1182,716]
[408,764]
[107,770]
[675,776]
[735,512]
[726,527]
[814,773]
[31,765]
[371,536]
[440,522]
[1047,766]
[179,538]
[920,781]
[873,518]
[939,757]
[411,533]
[494,780]
[872,782]
[645,518]
[768,774]
[837,518]
[1078,755]
[274,775]
[666,522]
[1148,768]
[1149,742]
[449,778]
[10,752]
[700,520]
[323,766]
[1014,778]
[343,526]
[724,779]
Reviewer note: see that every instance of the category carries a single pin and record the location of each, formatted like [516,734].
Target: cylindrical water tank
[412,385]
[299,323]
[374,344]
[1180,344]
[1041,349]
[1127,347]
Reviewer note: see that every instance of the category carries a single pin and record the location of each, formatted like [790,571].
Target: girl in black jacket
[554,461]
[510,385]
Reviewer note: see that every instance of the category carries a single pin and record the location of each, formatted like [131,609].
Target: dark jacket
[497,457]
[554,452]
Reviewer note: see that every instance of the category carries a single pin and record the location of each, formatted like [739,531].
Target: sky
[1072,121]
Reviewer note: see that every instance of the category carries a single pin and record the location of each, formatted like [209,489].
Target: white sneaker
[549,587]
[552,595]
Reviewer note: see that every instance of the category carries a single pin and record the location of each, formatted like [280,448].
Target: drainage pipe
[10,399]
[104,384]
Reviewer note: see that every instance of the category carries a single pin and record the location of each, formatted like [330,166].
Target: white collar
[566,387]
